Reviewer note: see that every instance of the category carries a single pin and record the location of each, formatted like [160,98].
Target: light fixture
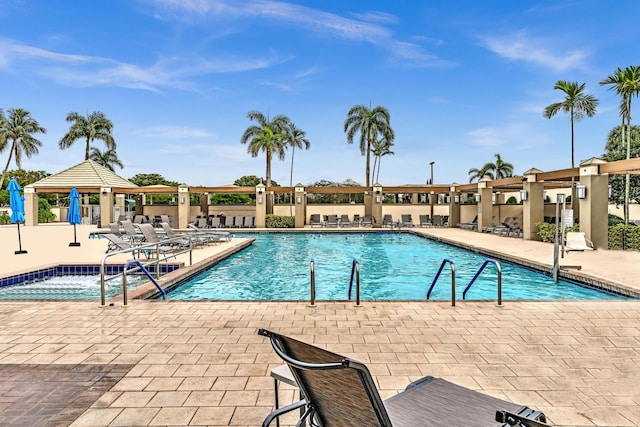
[456,199]
[182,200]
[447,199]
[610,190]
[560,197]
[259,198]
[477,196]
[377,199]
[581,190]
[494,197]
[523,195]
[298,199]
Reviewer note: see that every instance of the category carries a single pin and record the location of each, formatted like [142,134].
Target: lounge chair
[151,237]
[357,220]
[117,244]
[181,240]
[577,241]
[367,220]
[438,221]
[344,221]
[506,226]
[115,229]
[339,391]
[472,225]
[425,221]
[202,223]
[407,220]
[214,236]
[314,220]
[215,222]
[132,234]
[387,220]
[249,222]
[238,221]
[332,221]
[140,219]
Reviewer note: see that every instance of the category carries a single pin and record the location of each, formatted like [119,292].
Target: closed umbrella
[16,202]
[74,214]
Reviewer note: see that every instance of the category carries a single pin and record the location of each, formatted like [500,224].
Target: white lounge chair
[577,241]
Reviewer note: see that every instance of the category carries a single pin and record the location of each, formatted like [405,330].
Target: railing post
[124,287]
[357,284]
[453,284]
[102,296]
[499,284]
[312,302]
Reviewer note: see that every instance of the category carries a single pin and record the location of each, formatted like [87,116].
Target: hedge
[277,221]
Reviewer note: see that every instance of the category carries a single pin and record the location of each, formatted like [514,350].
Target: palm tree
[500,169]
[108,158]
[93,126]
[380,148]
[267,136]
[476,174]
[294,138]
[626,83]
[371,123]
[576,103]
[19,128]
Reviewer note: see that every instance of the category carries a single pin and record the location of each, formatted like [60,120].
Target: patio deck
[202,363]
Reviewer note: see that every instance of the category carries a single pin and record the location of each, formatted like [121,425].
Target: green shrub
[5,218]
[277,221]
[625,237]
[44,211]
[615,220]
[547,232]
[512,201]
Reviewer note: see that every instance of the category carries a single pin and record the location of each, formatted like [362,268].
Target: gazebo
[87,177]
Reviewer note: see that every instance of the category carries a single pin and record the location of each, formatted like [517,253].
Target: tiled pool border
[74,270]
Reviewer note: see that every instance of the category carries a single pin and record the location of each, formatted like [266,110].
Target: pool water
[68,287]
[393,266]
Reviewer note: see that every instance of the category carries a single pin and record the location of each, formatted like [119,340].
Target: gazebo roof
[87,174]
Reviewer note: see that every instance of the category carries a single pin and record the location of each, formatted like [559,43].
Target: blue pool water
[393,266]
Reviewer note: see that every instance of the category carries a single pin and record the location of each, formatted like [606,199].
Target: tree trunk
[573,192]
[293,150]
[627,183]
[86,150]
[6,168]
[268,172]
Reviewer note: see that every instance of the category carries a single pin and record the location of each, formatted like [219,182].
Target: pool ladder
[466,289]
[355,274]
[145,271]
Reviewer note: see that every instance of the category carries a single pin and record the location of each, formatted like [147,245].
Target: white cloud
[173,132]
[321,22]
[520,46]
[86,71]
[499,136]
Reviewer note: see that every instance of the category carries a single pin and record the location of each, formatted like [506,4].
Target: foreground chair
[577,241]
[340,392]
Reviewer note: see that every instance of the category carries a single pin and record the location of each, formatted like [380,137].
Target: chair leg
[275,387]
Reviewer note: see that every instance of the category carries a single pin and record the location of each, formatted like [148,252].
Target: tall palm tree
[371,123]
[499,169]
[294,138]
[576,103]
[380,148]
[19,128]
[107,158]
[626,83]
[93,126]
[267,136]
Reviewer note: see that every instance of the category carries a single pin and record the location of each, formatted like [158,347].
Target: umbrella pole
[75,240]
[19,243]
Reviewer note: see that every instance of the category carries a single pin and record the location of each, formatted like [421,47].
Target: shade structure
[74,214]
[16,202]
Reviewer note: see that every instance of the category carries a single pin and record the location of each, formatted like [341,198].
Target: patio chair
[425,221]
[357,220]
[132,234]
[117,244]
[168,219]
[181,240]
[577,241]
[140,219]
[250,221]
[367,220]
[115,229]
[202,223]
[438,221]
[332,221]
[407,220]
[472,225]
[314,220]
[214,236]
[344,221]
[506,226]
[339,391]
[238,221]
[150,236]
[387,220]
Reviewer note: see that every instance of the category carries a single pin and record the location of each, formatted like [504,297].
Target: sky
[462,81]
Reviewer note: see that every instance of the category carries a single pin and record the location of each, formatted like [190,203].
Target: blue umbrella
[74,213]
[16,202]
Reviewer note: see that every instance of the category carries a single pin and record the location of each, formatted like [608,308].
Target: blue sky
[462,80]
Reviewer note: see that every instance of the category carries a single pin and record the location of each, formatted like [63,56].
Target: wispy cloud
[520,46]
[499,136]
[366,28]
[85,71]
[173,132]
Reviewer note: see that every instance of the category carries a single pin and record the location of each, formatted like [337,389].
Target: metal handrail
[312,273]
[355,271]
[486,262]
[149,246]
[453,280]
[145,271]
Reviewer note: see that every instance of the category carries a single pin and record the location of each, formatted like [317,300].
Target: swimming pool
[393,266]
